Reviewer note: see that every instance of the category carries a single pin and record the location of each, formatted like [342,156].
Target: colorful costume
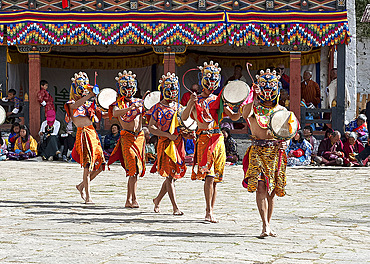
[210,154]
[29,148]
[165,164]
[87,149]
[264,160]
[130,150]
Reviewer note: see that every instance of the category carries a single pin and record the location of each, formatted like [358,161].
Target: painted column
[295,83]
[169,61]
[3,70]
[34,65]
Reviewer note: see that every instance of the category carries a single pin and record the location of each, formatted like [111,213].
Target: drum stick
[250,75]
[96,74]
[183,79]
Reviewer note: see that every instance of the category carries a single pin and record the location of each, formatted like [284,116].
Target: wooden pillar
[3,70]
[338,111]
[34,67]
[295,83]
[169,61]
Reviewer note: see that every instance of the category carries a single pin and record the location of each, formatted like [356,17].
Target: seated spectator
[352,147]
[67,138]
[49,137]
[328,132]
[359,126]
[3,149]
[111,140]
[25,146]
[150,146]
[230,146]
[308,135]
[331,151]
[14,134]
[299,151]
[16,108]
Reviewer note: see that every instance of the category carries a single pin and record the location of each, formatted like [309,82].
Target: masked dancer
[170,148]
[264,170]
[87,149]
[210,154]
[130,149]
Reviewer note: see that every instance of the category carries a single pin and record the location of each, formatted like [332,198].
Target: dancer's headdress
[210,77]
[126,83]
[169,86]
[79,86]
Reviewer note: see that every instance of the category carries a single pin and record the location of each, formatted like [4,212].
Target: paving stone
[324,218]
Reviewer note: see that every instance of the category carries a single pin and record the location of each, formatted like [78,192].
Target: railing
[333,121]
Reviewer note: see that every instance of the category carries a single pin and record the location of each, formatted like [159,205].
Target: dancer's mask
[268,83]
[169,86]
[79,86]
[126,83]
[210,77]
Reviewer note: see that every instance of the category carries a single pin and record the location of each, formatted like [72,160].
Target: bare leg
[158,199]
[210,196]
[80,186]
[172,194]
[262,204]
[131,193]
[271,204]
[214,195]
[86,183]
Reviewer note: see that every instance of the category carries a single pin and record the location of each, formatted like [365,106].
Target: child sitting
[14,134]
[25,146]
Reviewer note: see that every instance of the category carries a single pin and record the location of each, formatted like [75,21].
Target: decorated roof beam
[175,28]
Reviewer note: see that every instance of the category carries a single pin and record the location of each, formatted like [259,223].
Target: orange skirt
[87,149]
[164,164]
[209,157]
[130,151]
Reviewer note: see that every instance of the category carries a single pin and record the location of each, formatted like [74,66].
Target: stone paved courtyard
[324,218]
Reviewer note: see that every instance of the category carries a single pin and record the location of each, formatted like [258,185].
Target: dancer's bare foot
[89,202]
[210,218]
[177,212]
[80,188]
[263,235]
[156,205]
[272,233]
[128,204]
[135,204]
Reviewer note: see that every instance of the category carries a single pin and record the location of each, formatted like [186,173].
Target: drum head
[279,125]
[189,124]
[235,92]
[151,99]
[2,115]
[106,97]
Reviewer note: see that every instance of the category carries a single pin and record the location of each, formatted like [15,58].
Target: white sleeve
[15,111]
[4,99]
[56,128]
[42,129]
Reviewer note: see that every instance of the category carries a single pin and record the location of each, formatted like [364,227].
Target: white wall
[351,70]
[363,66]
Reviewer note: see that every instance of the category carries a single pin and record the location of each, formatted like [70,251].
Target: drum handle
[183,78]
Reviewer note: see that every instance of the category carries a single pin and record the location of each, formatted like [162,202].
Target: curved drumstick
[250,75]
[183,78]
